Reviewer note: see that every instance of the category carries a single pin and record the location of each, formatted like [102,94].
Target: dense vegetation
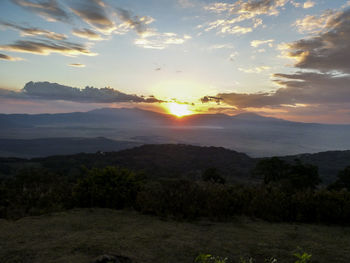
[289,192]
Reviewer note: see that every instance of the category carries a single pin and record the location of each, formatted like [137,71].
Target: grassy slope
[80,235]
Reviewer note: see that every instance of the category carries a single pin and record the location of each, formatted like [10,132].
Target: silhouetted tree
[271,169]
[212,175]
[290,177]
[343,180]
[111,187]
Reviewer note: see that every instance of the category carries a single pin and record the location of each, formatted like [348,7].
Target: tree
[290,177]
[343,180]
[271,170]
[110,187]
[212,175]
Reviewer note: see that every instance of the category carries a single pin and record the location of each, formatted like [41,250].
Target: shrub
[110,187]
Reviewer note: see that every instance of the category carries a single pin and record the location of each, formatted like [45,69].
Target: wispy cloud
[94,13]
[49,9]
[239,11]
[254,69]
[156,40]
[130,21]
[257,43]
[48,47]
[87,33]
[9,58]
[316,24]
[77,65]
[34,31]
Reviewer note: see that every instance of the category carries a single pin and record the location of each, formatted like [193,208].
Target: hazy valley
[249,133]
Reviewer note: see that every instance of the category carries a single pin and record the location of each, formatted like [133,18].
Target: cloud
[257,43]
[157,40]
[316,24]
[101,17]
[9,58]
[221,46]
[248,9]
[49,9]
[240,11]
[186,3]
[94,13]
[77,65]
[299,89]
[87,33]
[54,91]
[309,4]
[139,24]
[34,31]
[227,27]
[255,69]
[48,47]
[320,89]
[326,51]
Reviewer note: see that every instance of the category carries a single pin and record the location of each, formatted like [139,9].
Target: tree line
[289,192]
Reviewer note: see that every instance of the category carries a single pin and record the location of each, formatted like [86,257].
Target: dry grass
[81,235]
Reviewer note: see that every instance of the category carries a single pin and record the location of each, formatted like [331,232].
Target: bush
[110,187]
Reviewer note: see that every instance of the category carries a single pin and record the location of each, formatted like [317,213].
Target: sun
[178,110]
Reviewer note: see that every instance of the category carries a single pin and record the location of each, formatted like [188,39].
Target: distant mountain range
[253,134]
[29,148]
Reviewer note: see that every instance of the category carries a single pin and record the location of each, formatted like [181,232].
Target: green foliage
[289,177]
[212,175]
[178,198]
[302,257]
[110,187]
[283,198]
[343,180]
[271,260]
[33,191]
[246,260]
[207,258]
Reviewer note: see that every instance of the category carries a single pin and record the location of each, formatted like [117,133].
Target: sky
[282,58]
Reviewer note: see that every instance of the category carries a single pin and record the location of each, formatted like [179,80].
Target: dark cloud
[54,91]
[49,9]
[48,47]
[207,99]
[34,31]
[300,88]
[6,57]
[322,84]
[328,50]
[139,24]
[86,33]
[94,13]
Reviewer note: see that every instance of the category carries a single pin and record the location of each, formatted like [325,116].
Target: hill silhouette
[176,161]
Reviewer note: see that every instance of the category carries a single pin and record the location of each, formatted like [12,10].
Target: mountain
[59,146]
[253,134]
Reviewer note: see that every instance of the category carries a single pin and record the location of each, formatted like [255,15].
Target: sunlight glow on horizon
[178,110]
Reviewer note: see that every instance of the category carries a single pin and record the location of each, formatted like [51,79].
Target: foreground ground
[81,235]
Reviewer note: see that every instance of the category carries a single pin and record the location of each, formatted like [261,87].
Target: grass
[82,234]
